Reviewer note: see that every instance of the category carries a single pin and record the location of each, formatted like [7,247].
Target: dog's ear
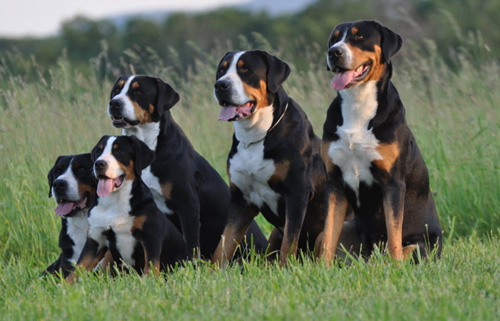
[167,96]
[277,71]
[390,42]
[123,77]
[144,156]
[93,153]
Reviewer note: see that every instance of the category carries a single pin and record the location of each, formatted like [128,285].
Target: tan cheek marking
[389,153]
[280,172]
[86,189]
[129,171]
[258,94]
[135,85]
[151,109]
[361,56]
[325,146]
[141,115]
[138,223]
[166,190]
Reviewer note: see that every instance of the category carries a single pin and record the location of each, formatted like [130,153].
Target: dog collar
[245,145]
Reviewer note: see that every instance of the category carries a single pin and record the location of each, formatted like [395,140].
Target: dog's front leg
[295,207]
[393,202]
[189,217]
[240,216]
[92,253]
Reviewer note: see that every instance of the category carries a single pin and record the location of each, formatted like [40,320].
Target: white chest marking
[112,212]
[250,172]
[147,132]
[356,148]
[77,230]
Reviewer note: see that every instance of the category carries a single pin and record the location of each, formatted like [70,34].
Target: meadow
[454,114]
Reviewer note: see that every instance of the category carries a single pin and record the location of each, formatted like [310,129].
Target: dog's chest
[113,213]
[356,147]
[77,227]
[250,172]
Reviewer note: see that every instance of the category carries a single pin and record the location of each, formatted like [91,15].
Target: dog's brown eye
[244,70]
[138,92]
[358,37]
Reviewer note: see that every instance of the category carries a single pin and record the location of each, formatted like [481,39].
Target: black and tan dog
[274,164]
[73,186]
[372,159]
[125,218]
[182,182]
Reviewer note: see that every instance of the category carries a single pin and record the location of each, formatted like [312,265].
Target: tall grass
[454,115]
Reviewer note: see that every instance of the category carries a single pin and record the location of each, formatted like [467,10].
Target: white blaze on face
[238,95]
[128,107]
[72,193]
[341,44]
[113,172]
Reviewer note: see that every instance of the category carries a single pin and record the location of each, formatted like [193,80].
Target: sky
[40,18]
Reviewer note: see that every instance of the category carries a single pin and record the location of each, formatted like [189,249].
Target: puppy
[274,165]
[372,159]
[184,185]
[73,186]
[125,217]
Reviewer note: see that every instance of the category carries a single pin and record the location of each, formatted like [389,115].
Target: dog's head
[246,81]
[72,184]
[137,100]
[358,52]
[118,159]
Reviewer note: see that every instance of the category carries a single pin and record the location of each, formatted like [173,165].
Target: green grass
[453,114]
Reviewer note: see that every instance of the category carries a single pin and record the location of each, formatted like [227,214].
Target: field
[454,115]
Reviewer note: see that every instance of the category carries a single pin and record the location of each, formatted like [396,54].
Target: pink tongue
[341,79]
[227,113]
[104,187]
[64,209]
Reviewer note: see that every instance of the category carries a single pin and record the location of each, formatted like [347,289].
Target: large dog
[274,164]
[182,182]
[372,159]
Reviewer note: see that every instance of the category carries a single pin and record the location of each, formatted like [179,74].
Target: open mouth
[348,78]
[68,208]
[233,112]
[121,122]
[106,185]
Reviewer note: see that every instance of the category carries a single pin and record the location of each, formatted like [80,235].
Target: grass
[453,114]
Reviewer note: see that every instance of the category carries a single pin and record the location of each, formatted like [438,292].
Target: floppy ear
[51,177]
[390,42]
[144,156]
[277,71]
[167,96]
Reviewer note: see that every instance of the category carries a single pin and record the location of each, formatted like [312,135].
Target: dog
[73,186]
[274,165]
[372,160]
[125,218]
[184,185]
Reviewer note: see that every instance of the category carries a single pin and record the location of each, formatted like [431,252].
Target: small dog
[274,165]
[73,186]
[372,159]
[125,217]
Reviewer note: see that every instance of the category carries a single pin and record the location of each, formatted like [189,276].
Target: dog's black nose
[335,52]
[222,85]
[60,185]
[100,165]
[115,105]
